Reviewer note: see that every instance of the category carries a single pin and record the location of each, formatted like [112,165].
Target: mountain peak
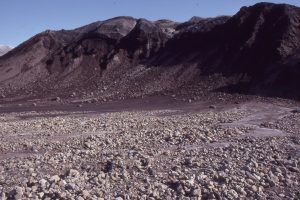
[4,49]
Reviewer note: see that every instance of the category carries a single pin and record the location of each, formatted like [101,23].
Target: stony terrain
[181,150]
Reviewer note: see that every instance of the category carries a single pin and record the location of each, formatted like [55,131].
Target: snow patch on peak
[4,49]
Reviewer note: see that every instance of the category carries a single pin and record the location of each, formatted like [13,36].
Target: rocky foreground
[237,151]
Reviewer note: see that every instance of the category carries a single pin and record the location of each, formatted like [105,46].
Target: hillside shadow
[270,91]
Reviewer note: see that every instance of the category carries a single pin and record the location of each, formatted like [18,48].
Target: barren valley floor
[151,149]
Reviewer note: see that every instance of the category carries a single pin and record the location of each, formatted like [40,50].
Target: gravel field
[243,151]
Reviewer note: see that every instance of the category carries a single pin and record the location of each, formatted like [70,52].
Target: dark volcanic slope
[259,45]
[259,41]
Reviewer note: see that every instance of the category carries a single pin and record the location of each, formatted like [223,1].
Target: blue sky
[21,19]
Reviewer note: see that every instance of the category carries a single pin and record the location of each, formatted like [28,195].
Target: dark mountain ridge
[260,45]
[258,41]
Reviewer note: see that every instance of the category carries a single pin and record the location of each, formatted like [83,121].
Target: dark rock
[212,107]
[294,169]
[296,110]
[55,99]
[144,40]
[110,165]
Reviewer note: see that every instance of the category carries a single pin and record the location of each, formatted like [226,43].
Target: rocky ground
[190,150]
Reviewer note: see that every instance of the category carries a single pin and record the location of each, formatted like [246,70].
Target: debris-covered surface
[151,154]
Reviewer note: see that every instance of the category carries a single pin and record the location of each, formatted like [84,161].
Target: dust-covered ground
[155,148]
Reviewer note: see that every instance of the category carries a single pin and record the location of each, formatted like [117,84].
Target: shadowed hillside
[123,57]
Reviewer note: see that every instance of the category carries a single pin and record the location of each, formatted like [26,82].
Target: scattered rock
[55,99]
[55,179]
[126,155]
[18,193]
[73,173]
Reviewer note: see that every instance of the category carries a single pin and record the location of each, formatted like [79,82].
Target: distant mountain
[4,49]
[258,47]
